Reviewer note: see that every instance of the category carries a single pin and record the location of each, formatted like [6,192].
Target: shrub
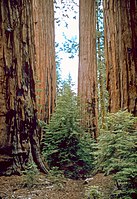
[65,144]
[30,175]
[93,192]
[57,178]
[116,153]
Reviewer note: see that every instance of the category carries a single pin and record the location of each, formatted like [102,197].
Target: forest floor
[52,188]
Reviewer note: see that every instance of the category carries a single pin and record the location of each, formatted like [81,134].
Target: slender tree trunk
[87,81]
[45,57]
[19,137]
[121,54]
[101,70]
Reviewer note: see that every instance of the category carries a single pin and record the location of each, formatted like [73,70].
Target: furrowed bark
[121,54]
[19,135]
[44,38]
[87,74]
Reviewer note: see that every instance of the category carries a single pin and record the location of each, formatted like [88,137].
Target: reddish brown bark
[19,136]
[43,14]
[121,54]
[87,81]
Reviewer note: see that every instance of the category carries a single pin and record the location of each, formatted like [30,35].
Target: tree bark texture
[19,137]
[44,37]
[120,19]
[87,74]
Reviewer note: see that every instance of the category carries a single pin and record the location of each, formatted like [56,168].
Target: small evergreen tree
[116,153]
[65,144]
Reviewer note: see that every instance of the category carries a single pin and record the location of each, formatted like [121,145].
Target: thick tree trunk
[121,54]
[19,137]
[87,81]
[45,57]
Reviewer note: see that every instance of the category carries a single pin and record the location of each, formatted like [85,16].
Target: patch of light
[68,65]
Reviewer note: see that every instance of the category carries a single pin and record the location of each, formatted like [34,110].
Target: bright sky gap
[67,65]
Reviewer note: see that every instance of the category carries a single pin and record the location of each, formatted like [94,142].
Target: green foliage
[65,144]
[86,146]
[70,46]
[56,176]
[93,192]
[116,153]
[30,174]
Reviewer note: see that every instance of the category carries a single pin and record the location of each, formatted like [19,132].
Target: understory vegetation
[66,145]
[116,154]
[74,153]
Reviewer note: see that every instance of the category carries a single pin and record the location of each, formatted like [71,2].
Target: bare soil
[15,187]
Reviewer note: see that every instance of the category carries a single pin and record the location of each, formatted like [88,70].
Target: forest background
[78,135]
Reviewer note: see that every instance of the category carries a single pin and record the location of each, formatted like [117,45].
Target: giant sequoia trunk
[45,57]
[87,81]
[19,137]
[121,54]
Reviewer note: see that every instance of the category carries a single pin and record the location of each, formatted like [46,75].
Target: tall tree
[43,13]
[19,136]
[101,69]
[87,74]
[121,54]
